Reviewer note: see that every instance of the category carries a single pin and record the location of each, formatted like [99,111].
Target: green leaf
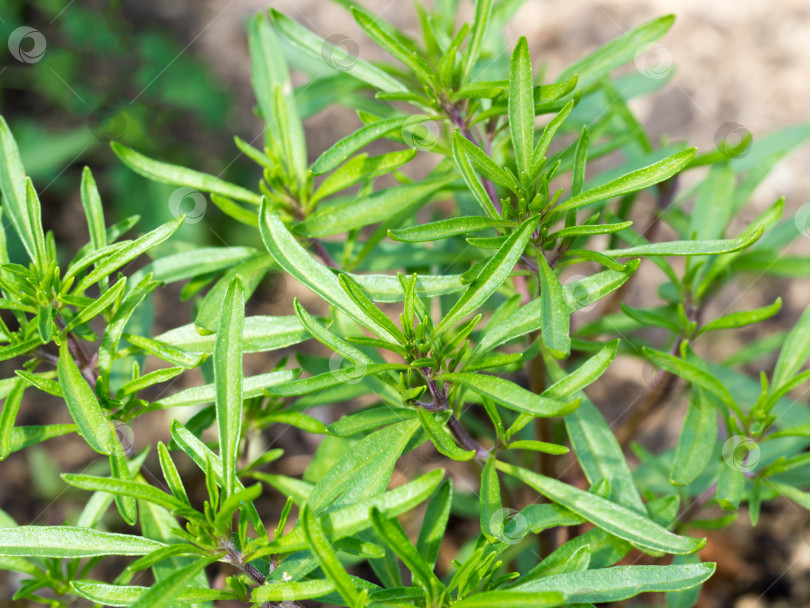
[93,210]
[108,299]
[349,520]
[481,21]
[292,590]
[361,169]
[70,542]
[8,416]
[34,210]
[632,182]
[588,229]
[127,595]
[611,517]
[692,373]
[26,436]
[317,48]
[510,395]
[549,131]
[150,379]
[82,404]
[742,318]
[363,471]
[304,386]
[195,262]
[126,254]
[228,378]
[373,208]
[600,455]
[434,523]
[492,275]
[464,166]
[713,205]
[512,599]
[538,446]
[687,247]
[388,288]
[443,229]
[390,531]
[350,144]
[318,278]
[621,582]
[180,176]
[794,353]
[171,474]
[521,107]
[260,334]
[327,558]
[490,498]
[369,418]
[730,487]
[485,164]
[13,188]
[252,386]
[165,352]
[367,306]
[164,593]
[556,316]
[441,439]
[391,44]
[699,434]
[124,487]
[616,53]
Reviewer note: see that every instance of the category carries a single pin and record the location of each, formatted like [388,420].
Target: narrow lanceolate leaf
[71,541]
[713,205]
[443,229]
[585,374]
[600,455]
[373,208]
[228,381]
[8,416]
[126,254]
[93,211]
[441,439]
[82,403]
[391,532]
[318,48]
[327,558]
[471,179]
[636,180]
[481,21]
[692,373]
[556,316]
[621,582]
[434,523]
[492,519]
[260,334]
[34,210]
[300,590]
[126,595]
[611,517]
[194,262]
[794,353]
[124,487]
[617,52]
[688,247]
[521,107]
[699,434]
[318,278]
[180,176]
[361,168]
[513,599]
[539,154]
[165,592]
[492,275]
[742,318]
[12,186]
[350,144]
[363,471]
[510,395]
[252,386]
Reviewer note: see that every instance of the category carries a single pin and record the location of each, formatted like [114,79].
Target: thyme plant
[448,304]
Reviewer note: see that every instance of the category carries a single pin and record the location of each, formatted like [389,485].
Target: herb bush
[458,331]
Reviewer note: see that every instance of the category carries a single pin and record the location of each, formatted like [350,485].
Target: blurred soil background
[172,79]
